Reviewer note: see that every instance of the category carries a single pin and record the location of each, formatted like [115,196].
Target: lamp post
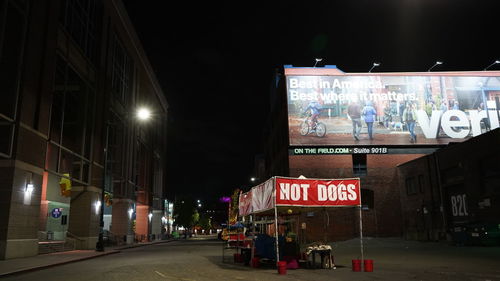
[142,114]
[435,64]
[375,64]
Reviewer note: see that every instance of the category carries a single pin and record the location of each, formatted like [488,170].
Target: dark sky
[215,62]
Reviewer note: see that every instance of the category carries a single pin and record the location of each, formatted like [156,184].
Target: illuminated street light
[143,113]
[435,64]
[375,64]
[495,62]
[317,60]
[252,179]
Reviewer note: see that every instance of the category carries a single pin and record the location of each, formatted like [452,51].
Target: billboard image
[391,109]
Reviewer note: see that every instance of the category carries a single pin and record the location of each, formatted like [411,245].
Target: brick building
[293,151]
[454,192]
[72,75]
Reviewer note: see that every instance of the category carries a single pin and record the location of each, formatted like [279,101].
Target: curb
[36,268]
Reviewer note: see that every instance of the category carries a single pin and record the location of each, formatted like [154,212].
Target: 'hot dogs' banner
[317,193]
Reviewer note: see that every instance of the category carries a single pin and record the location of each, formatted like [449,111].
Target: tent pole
[361,233]
[276,224]
[276,233]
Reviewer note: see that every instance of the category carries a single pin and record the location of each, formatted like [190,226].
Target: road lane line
[161,274]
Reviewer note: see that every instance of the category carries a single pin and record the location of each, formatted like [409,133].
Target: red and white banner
[317,193]
[262,197]
[245,204]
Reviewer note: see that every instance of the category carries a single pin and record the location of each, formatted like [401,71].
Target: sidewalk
[20,265]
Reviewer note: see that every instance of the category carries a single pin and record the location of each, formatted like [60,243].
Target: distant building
[72,75]
[296,145]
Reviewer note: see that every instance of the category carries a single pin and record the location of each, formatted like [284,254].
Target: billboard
[334,108]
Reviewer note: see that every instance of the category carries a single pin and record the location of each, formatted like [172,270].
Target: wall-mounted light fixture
[97,206]
[29,188]
[130,212]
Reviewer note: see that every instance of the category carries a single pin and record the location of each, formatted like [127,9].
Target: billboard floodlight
[495,62]
[435,64]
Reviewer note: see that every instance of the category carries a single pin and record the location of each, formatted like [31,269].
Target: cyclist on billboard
[315,108]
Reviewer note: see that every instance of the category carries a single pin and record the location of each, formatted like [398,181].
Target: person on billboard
[315,108]
[485,121]
[410,117]
[443,107]
[354,113]
[369,114]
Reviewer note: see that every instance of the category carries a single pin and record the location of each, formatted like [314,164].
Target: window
[79,19]
[359,165]
[367,199]
[421,183]
[12,33]
[411,186]
[71,123]
[121,76]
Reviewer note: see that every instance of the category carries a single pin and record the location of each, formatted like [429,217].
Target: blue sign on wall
[56,212]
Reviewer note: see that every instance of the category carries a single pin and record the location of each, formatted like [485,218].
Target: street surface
[201,259]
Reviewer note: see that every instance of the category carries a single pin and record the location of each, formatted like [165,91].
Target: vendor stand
[269,203]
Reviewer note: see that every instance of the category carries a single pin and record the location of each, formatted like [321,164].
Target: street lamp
[435,64]
[142,114]
[495,62]
[375,64]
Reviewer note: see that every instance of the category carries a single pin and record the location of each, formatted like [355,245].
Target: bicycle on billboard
[311,125]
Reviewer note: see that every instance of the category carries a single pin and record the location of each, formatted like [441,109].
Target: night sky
[215,63]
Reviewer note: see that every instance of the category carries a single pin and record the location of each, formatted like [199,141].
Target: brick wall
[383,220]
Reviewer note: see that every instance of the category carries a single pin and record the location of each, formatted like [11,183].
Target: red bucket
[282,267]
[356,265]
[368,265]
[255,262]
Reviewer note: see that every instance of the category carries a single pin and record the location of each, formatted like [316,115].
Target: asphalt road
[200,259]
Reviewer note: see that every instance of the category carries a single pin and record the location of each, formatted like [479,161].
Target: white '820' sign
[459,205]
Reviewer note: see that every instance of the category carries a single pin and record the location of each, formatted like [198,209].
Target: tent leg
[361,233]
[276,233]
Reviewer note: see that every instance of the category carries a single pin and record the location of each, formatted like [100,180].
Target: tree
[205,222]
[185,213]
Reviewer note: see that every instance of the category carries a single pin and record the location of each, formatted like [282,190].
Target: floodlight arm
[436,64]
[375,64]
[495,62]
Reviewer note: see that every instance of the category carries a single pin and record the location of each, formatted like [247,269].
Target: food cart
[274,201]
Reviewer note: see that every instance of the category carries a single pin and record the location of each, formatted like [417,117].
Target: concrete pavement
[23,265]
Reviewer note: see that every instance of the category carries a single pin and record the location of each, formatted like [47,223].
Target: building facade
[453,194]
[324,145]
[73,74]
